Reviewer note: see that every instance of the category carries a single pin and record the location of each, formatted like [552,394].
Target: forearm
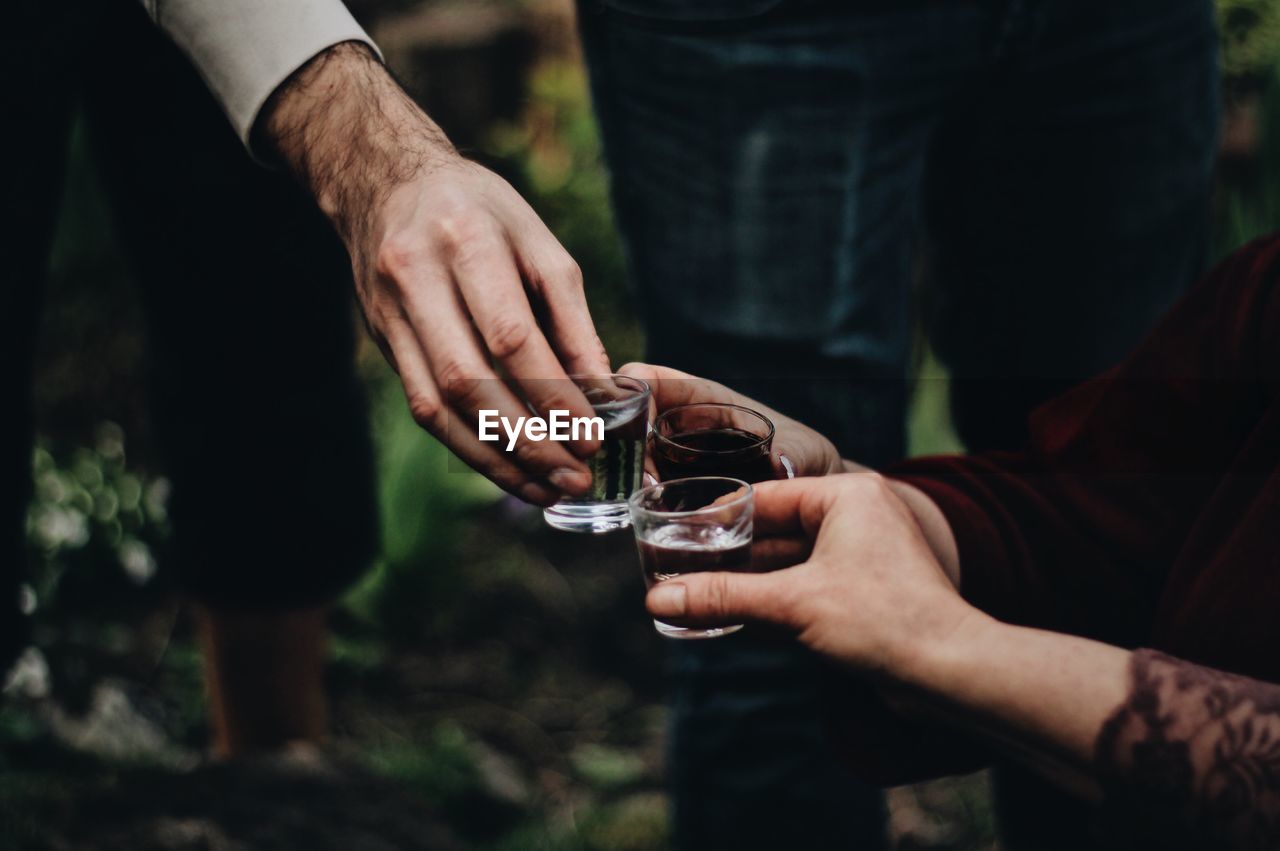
[1169,749]
[1040,697]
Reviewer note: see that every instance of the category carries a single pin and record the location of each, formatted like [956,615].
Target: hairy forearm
[349,133]
[1176,754]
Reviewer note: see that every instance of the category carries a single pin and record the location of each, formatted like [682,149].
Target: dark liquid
[664,562]
[616,469]
[728,452]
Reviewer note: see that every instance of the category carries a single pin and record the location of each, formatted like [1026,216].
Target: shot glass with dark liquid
[693,526]
[713,439]
[616,470]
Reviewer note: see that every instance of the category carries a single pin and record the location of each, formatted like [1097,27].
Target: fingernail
[670,599]
[570,480]
[787,466]
[650,480]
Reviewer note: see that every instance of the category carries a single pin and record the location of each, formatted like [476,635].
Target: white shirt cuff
[245,49]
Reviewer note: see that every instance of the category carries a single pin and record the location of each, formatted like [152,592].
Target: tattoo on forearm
[1192,758]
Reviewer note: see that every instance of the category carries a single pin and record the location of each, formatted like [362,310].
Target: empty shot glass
[693,526]
[622,403]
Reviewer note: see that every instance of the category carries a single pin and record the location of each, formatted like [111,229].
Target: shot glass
[616,470]
[713,439]
[693,526]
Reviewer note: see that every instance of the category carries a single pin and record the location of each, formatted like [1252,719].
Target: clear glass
[692,526]
[617,469]
[713,439]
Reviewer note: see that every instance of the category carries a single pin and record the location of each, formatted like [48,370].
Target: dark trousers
[247,296]
[778,167]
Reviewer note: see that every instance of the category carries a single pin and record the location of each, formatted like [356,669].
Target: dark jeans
[777,167]
[247,295]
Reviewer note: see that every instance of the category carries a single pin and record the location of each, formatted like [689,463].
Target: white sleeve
[245,49]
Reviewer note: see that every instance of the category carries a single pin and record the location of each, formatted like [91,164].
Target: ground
[523,711]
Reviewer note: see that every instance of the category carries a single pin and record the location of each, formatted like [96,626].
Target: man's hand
[806,452]
[871,594]
[451,267]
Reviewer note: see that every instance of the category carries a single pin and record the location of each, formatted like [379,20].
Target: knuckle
[425,410]
[508,336]
[452,372]
[718,595]
[397,255]
[789,605]
[868,483]
[383,314]
[459,389]
[462,228]
[528,453]
[567,272]
[636,369]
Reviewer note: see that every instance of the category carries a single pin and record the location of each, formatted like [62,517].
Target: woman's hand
[797,449]
[871,593]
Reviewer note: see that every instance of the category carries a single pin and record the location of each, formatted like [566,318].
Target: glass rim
[657,435]
[640,392]
[633,501]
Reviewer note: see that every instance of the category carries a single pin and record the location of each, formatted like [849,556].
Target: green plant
[91,511]
[556,152]
[1251,207]
[1250,31]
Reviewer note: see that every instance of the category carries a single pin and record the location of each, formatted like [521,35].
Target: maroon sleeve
[1077,532]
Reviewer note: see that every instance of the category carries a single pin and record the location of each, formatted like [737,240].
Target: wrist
[349,133]
[937,661]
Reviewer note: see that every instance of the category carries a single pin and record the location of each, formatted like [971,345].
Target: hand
[871,595]
[807,453]
[451,267]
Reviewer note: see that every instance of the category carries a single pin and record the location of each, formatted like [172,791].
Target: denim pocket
[693,11]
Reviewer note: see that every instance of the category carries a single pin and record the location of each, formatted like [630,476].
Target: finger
[494,296]
[723,598]
[556,280]
[777,552]
[538,479]
[469,385]
[428,410]
[672,388]
[794,506]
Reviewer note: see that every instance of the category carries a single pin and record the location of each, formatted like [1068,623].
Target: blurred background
[496,684]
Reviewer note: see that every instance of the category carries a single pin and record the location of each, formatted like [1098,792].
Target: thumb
[723,598]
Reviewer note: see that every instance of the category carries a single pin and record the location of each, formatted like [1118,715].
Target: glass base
[666,630]
[590,518]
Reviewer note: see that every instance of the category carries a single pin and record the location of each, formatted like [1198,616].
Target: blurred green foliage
[1250,202]
[88,509]
[1250,32]
[417,579]
[556,151]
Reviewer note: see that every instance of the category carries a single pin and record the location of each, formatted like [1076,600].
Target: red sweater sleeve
[1077,531]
